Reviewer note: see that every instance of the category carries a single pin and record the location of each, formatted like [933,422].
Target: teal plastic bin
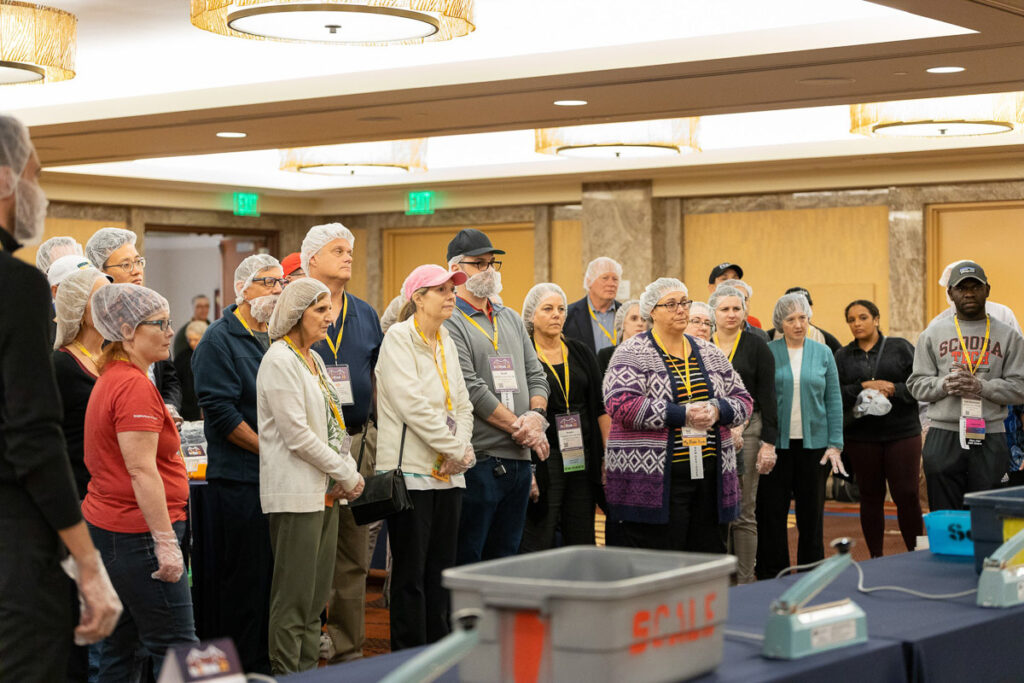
[949,532]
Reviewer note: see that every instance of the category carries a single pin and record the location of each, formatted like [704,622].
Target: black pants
[423,544]
[951,471]
[798,476]
[566,502]
[243,567]
[35,613]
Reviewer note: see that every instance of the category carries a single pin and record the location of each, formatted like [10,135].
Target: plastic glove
[737,438]
[701,415]
[175,416]
[542,448]
[534,489]
[168,554]
[963,384]
[766,458]
[338,491]
[833,457]
[469,458]
[527,425]
[100,606]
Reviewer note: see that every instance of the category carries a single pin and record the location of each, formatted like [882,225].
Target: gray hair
[620,317]
[787,305]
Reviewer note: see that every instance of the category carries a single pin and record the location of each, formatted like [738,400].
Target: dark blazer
[167,382]
[577,323]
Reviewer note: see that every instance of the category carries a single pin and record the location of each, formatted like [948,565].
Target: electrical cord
[743,634]
[865,589]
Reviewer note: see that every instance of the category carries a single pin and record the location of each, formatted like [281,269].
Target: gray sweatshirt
[474,351]
[1001,370]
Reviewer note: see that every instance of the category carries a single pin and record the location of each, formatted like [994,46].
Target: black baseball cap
[470,242]
[718,270]
[967,270]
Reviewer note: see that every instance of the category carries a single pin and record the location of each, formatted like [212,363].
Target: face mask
[262,307]
[484,284]
[29,212]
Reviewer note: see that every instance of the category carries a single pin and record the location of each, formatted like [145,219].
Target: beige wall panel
[357,285]
[79,228]
[838,254]
[567,257]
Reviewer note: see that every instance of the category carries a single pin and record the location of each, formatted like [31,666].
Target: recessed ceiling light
[230,134]
[945,69]
[570,103]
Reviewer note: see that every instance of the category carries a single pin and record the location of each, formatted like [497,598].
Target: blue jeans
[493,510]
[156,614]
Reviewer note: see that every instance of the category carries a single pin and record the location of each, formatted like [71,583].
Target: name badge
[508,399]
[972,424]
[570,442]
[696,462]
[346,444]
[451,424]
[694,437]
[435,471]
[504,374]
[342,381]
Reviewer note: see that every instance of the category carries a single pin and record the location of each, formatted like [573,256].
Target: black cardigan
[897,363]
[756,366]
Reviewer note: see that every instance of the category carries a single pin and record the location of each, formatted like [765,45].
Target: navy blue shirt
[360,345]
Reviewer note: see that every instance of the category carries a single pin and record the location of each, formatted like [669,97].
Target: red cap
[291,263]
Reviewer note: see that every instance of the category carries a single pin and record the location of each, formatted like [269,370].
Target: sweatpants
[952,471]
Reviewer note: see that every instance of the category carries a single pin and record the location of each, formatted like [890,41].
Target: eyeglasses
[164,324]
[482,265]
[270,281]
[700,323]
[673,306]
[129,266]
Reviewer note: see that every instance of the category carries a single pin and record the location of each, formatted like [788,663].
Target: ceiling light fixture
[570,103]
[945,69]
[940,116]
[346,22]
[37,43]
[388,157]
[663,137]
[231,134]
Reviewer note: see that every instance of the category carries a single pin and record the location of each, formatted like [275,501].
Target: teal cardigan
[821,403]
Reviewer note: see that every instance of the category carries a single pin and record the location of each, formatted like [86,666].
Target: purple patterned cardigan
[638,389]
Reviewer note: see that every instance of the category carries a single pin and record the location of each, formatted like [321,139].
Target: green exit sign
[420,203]
[247,204]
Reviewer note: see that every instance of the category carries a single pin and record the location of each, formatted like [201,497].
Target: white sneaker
[326,647]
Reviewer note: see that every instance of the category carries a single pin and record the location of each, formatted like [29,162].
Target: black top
[855,366]
[35,475]
[167,383]
[756,365]
[75,384]
[604,357]
[189,402]
[578,324]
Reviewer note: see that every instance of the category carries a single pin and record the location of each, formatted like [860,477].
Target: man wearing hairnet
[224,366]
[38,500]
[350,355]
[591,320]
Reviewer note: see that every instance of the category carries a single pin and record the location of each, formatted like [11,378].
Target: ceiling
[149,85]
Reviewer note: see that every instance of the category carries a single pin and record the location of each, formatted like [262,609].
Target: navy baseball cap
[718,270]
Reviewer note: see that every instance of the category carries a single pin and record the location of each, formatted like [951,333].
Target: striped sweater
[638,394]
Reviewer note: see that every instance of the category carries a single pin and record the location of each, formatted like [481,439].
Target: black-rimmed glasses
[673,306]
[482,265]
[270,281]
[164,324]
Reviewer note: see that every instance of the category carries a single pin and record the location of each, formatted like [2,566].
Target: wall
[181,266]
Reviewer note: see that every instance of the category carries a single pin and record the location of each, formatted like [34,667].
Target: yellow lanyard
[963,348]
[323,383]
[493,340]
[336,345]
[85,351]
[735,343]
[672,361]
[244,324]
[443,374]
[611,337]
[565,359]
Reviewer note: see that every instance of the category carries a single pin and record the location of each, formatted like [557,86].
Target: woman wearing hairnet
[567,485]
[135,505]
[809,443]
[670,462]
[701,321]
[305,468]
[55,247]
[628,323]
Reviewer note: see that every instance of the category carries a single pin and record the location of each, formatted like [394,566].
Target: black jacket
[756,366]
[167,383]
[578,326]
[856,366]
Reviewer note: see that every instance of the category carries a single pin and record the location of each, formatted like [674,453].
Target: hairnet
[533,298]
[657,289]
[55,247]
[105,242]
[390,316]
[724,292]
[121,306]
[738,284]
[620,317]
[701,307]
[788,304]
[295,299]
[72,296]
[249,268]
[15,150]
[600,266]
[318,237]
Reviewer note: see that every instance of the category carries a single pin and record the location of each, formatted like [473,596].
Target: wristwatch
[541,411]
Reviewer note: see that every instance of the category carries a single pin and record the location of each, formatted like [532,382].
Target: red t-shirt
[124,400]
[754,321]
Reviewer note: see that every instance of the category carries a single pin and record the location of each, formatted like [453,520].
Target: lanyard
[565,358]
[493,340]
[611,338]
[323,384]
[963,347]
[85,351]
[443,374]
[244,324]
[336,345]
[735,343]
[672,361]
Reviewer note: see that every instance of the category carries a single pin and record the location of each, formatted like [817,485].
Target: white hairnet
[701,307]
[55,247]
[249,268]
[15,150]
[534,297]
[620,317]
[72,296]
[600,266]
[657,289]
[105,242]
[788,304]
[295,299]
[318,237]
[723,292]
[390,316]
[738,284]
[118,309]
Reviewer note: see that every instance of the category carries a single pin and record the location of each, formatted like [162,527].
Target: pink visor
[429,275]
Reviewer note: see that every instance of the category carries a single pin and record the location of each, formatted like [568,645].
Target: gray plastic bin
[595,614]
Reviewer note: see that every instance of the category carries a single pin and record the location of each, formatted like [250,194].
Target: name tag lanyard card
[693,439]
[502,370]
[972,420]
[442,372]
[569,425]
[339,372]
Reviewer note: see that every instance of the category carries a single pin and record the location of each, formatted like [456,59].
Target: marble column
[542,244]
[906,263]
[374,257]
[618,221]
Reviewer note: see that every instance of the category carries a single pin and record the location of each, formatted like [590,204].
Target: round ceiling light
[344,22]
[940,116]
[37,43]
[388,157]
[628,139]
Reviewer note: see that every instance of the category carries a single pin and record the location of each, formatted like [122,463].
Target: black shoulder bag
[383,494]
